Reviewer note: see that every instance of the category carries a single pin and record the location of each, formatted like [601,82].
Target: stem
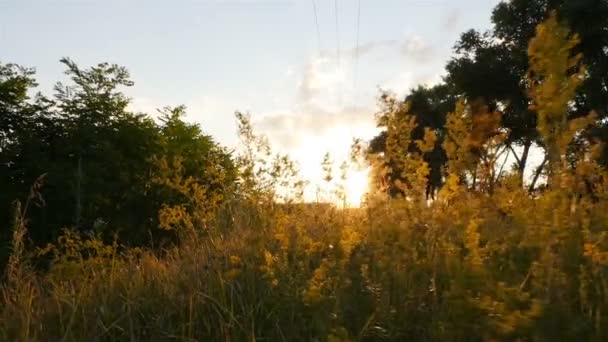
[521,162]
[503,165]
[514,154]
[524,157]
[537,174]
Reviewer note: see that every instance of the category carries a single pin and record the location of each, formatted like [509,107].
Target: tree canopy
[99,160]
[492,68]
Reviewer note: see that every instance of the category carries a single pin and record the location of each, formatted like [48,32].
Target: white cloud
[400,84]
[321,80]
[324,99]
[412,46]
[290,129]
[364,49]
[416,48]
[452,19]
[144,105]
[290,71]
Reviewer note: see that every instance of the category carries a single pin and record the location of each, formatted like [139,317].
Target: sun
[356,186]
[309,153]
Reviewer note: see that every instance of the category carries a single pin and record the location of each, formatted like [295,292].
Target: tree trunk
[521,162]
[524,159]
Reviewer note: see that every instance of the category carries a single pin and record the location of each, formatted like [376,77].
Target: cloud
[362,49]
[144,105]
[370,47]
[323,78]
[412,46]
[290,128]
[290,71]
[318,108]
[417,49]
[313,80]
[401,83]
[452,19]
[323,81]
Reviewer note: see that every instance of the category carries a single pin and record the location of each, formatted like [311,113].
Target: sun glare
[335,141]
[356,186]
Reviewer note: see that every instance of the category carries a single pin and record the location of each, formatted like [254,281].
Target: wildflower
[268,259]
[319,282]
[235,260]
[232,274]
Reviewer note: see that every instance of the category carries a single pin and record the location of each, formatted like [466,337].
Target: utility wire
[355,72]
[337,33]
[314,7]
[356,66]
[339,91]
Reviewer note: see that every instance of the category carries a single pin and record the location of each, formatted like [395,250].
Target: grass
[393,270]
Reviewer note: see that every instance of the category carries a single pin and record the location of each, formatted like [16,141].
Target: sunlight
[356,186]
[336,141]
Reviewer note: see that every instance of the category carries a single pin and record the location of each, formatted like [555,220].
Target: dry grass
[391,271]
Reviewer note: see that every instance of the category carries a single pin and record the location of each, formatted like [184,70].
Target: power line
[337,34]
[339,90]
[355,72]
[314,7]
[356,65]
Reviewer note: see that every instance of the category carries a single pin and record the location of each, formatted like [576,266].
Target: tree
[101,160]
[428,107]
[554,77]
[27,134]
[193,177]
[106,155]
[500,55]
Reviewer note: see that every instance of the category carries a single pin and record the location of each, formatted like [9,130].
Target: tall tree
[500,55]
[29,138]
[101,160]
[555,74]
[491,68]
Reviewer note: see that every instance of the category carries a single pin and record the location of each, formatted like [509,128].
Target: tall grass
[493,267]
[484,260]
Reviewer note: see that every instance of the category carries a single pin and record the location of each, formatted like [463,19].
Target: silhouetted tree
[100,159]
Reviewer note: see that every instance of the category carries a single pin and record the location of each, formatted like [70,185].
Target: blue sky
[265,57]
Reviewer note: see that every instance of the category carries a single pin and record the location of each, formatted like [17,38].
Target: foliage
[501,55]
[483,260]
[428,107]
[103,164]
[555,76]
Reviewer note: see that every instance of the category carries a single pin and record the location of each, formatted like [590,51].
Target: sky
[308,71]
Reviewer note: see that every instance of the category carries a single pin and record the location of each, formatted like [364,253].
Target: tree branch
[503,164]
[524,157]
[514,154]
[537,174]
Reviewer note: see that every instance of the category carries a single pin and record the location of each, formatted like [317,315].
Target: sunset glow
[356,187]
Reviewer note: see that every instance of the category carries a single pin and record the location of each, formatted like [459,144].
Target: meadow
[486,256]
